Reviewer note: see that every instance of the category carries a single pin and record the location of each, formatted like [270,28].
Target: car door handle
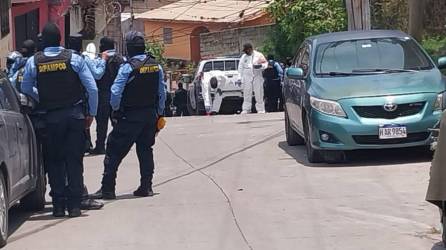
[19,127]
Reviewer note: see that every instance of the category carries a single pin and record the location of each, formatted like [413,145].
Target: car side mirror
[27,104]
[442,62]
[295,73]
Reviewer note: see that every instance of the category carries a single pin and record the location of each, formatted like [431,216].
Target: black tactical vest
[142,88]
[111,71]
[58,84]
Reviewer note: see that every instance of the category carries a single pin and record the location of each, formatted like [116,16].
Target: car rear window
[219,65]
[207,67]
[230,65]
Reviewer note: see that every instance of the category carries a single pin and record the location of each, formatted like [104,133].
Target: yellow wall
[181,47]
[5,48]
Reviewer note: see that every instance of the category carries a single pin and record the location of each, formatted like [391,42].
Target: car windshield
[370,56]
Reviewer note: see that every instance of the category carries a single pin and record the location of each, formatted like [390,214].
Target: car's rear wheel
[3,211]
[35,201]
[292,137]
[190,108]
[313,155]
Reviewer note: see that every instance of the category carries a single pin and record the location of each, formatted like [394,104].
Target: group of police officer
[70,90]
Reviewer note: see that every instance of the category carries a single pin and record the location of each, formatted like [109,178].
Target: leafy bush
[435,46]
[156,49]
[298,19]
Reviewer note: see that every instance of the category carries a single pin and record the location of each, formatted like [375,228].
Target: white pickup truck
[217,88]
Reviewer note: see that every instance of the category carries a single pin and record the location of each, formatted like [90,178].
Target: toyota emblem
[390,107]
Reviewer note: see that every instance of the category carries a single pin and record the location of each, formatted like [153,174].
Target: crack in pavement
[195,170]
[200,170]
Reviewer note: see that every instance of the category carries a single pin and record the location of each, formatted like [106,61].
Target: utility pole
[416,18]
[358,14]
[132,15]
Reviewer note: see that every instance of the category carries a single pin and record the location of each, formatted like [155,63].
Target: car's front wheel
[292,137]
[3,211]
[313,155]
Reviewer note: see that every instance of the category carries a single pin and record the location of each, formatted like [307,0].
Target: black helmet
[51,35]
[134,38]
[135,43]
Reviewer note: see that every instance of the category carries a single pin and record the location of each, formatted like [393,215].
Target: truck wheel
[190,108]
[3,211]
[35,201]
[292,137]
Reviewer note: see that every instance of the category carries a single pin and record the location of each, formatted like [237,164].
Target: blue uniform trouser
[66,140]
[136,127]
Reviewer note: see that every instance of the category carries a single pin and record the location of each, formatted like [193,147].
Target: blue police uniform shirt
[279,69]
[121,80]
[97,66]
[18,63]
[29,84]
[15,66]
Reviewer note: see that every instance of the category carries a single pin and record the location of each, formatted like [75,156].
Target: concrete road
[232,183]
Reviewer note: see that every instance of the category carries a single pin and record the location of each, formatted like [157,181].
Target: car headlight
[327,107]
[439,104]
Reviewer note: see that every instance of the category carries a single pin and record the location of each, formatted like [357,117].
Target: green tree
[156,49]
[298,19]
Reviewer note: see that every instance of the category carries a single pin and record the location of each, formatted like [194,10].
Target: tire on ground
[4,203]
[35,201]
[292,137]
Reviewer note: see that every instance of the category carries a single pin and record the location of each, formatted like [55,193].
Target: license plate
[392,132]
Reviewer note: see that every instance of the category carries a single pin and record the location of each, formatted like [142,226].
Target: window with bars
[167,35]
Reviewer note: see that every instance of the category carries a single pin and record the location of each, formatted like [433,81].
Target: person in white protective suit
[251,66]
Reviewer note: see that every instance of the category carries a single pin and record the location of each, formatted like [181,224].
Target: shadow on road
[18,216]
[364,158]
[438,246]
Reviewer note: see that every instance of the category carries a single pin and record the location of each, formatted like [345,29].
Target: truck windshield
[370,56]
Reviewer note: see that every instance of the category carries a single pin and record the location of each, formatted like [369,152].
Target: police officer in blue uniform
[59,81]
[137,99]
[28,49]
[75,44]
[105,70]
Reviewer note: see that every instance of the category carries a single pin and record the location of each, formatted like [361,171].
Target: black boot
[105,195]
[98,151]
[143,191]
[74,212]
[58,211]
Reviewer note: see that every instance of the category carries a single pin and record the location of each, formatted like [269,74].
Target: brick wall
[230,42]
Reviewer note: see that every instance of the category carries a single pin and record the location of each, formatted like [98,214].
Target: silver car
[22,177]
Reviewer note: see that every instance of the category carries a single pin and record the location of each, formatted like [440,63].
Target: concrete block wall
[230,42]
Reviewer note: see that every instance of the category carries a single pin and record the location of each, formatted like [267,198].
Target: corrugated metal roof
[222,11]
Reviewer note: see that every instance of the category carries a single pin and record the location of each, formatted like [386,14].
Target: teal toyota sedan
[361,90]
